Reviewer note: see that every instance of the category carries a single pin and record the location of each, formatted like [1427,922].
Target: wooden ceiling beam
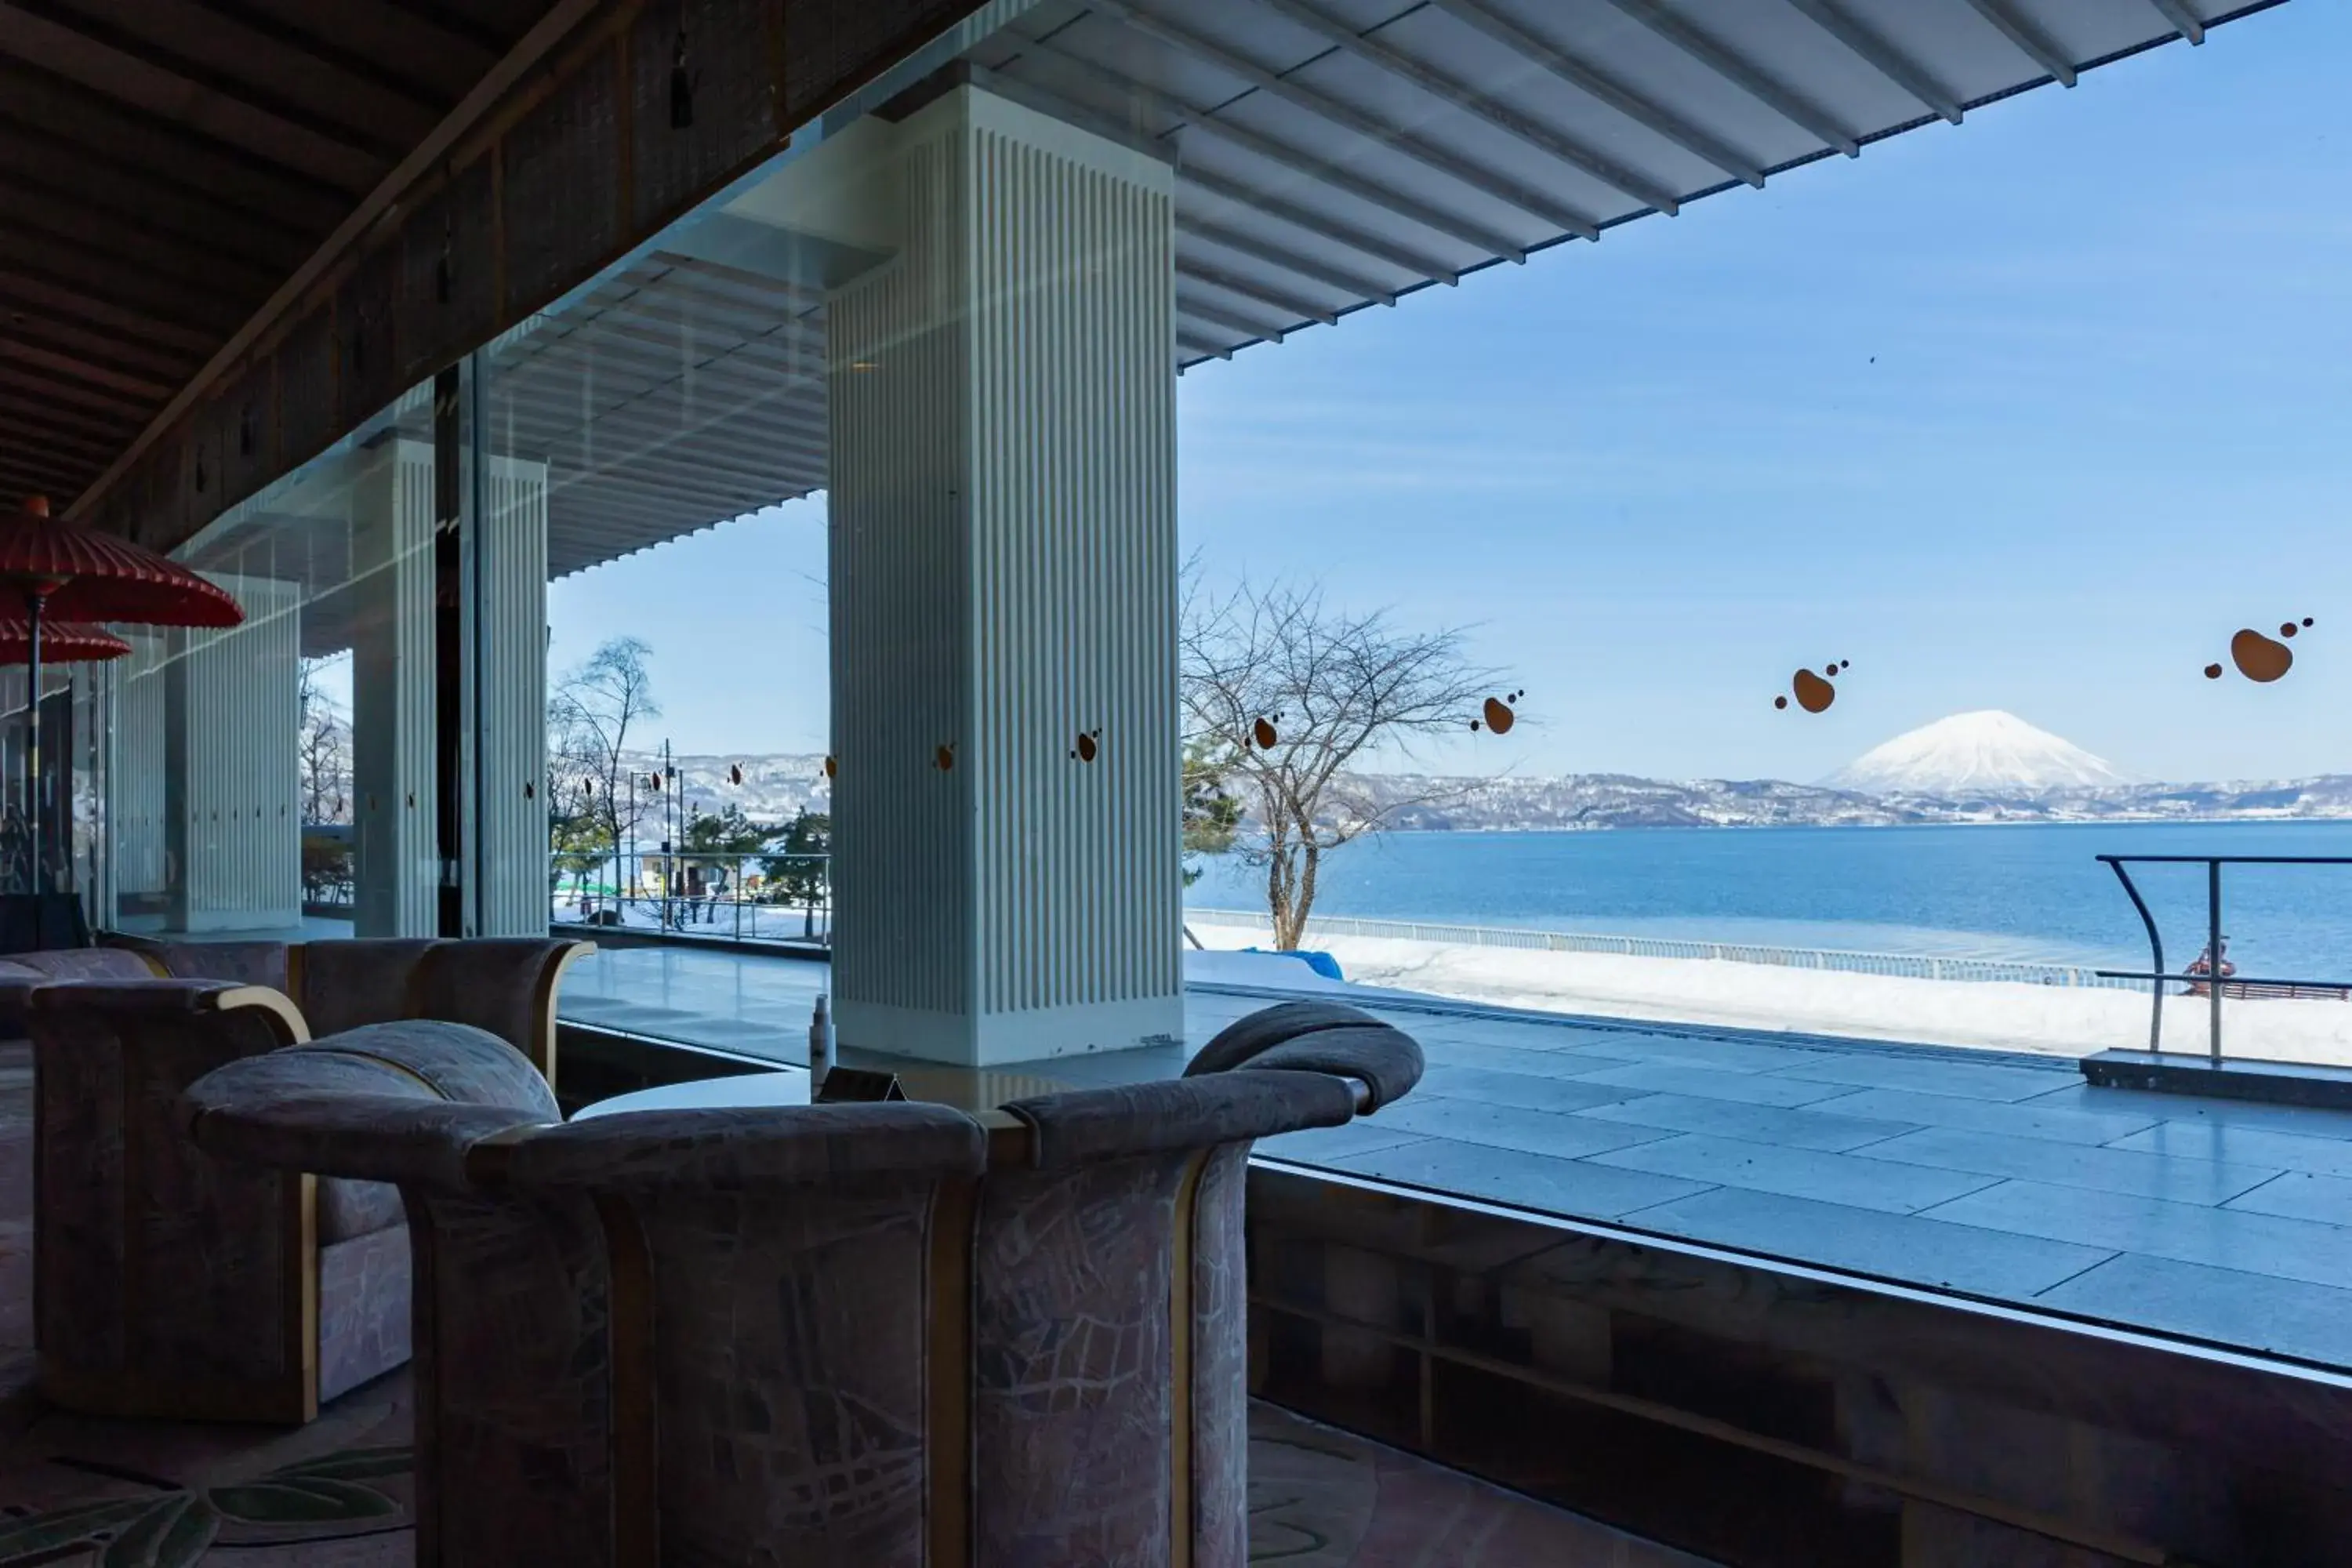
[40,383]
[20,481]
[28,419]
[22,478]
[549,24]
[14,347]
[136,247]
[115,350]
[31,161]
[28,435]
[119,285]
[30,291]
[494,25]
[78,56]
[370,35]
[240,181]
[249,65]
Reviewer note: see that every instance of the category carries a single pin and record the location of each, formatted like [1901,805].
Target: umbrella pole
[34,601]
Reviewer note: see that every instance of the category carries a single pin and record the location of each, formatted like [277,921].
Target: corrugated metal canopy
[1330,154]
[1334,154]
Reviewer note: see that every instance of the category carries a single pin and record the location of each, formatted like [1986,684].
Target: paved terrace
[1998,1176]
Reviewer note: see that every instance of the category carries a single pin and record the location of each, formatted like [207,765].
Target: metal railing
[767,896]
[2216,977]
[1902,965]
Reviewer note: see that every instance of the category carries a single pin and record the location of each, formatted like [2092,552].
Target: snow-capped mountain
[1980,753]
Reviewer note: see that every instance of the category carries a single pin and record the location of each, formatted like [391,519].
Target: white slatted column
[1003,598]
[232,789]
[511,658]
[396,853]
[138,846]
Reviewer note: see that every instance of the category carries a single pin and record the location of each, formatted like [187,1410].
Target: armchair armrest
[159,999]
[1130,1120]
[371,1137]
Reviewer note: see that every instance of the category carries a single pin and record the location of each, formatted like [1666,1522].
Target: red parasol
[82,575]
[62,642]
[79,575]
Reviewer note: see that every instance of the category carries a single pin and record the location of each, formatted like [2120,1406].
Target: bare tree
[322,750]
[590,716]
[1290,694]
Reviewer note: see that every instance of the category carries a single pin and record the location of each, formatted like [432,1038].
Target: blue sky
[2032,413]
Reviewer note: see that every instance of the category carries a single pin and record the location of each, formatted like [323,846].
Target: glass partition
[279,777]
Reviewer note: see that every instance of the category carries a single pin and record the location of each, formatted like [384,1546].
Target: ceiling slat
[80,57]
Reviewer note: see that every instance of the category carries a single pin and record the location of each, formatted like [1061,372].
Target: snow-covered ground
[2049,1019]
[744,920]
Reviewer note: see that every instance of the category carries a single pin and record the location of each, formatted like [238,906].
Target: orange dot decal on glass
[1814,693]
[1264,733]
[830,767]
[1087,749]
[944,759]
[2258,658]
[1498,715]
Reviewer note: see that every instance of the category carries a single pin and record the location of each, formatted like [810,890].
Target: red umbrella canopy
[62,642]
[91,576]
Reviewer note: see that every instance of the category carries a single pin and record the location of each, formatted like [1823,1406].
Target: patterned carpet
[85,1493]
[98,1494]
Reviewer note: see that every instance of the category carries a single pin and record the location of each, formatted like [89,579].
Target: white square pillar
[231,785]
[510,666]
[397,858]
[1003,563]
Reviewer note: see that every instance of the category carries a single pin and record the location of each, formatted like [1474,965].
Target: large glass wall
[75,711]
[279,777]
[1692,679]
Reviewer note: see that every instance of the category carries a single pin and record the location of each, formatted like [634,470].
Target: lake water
[2021,892]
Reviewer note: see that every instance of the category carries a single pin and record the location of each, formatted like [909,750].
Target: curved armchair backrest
[1109,1313]
[776,1282]
[1319,1037]
[504,984]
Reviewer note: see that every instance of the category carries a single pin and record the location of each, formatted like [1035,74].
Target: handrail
[675,890]
[2155,945]
[2214,981]
[1899,965]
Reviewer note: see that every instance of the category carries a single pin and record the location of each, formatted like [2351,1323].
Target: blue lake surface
[2025,892]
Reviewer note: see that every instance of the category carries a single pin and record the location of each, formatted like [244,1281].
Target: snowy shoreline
[2048,1020]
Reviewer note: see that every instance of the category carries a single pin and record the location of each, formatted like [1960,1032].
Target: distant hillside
[1590,801]
[776,787]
